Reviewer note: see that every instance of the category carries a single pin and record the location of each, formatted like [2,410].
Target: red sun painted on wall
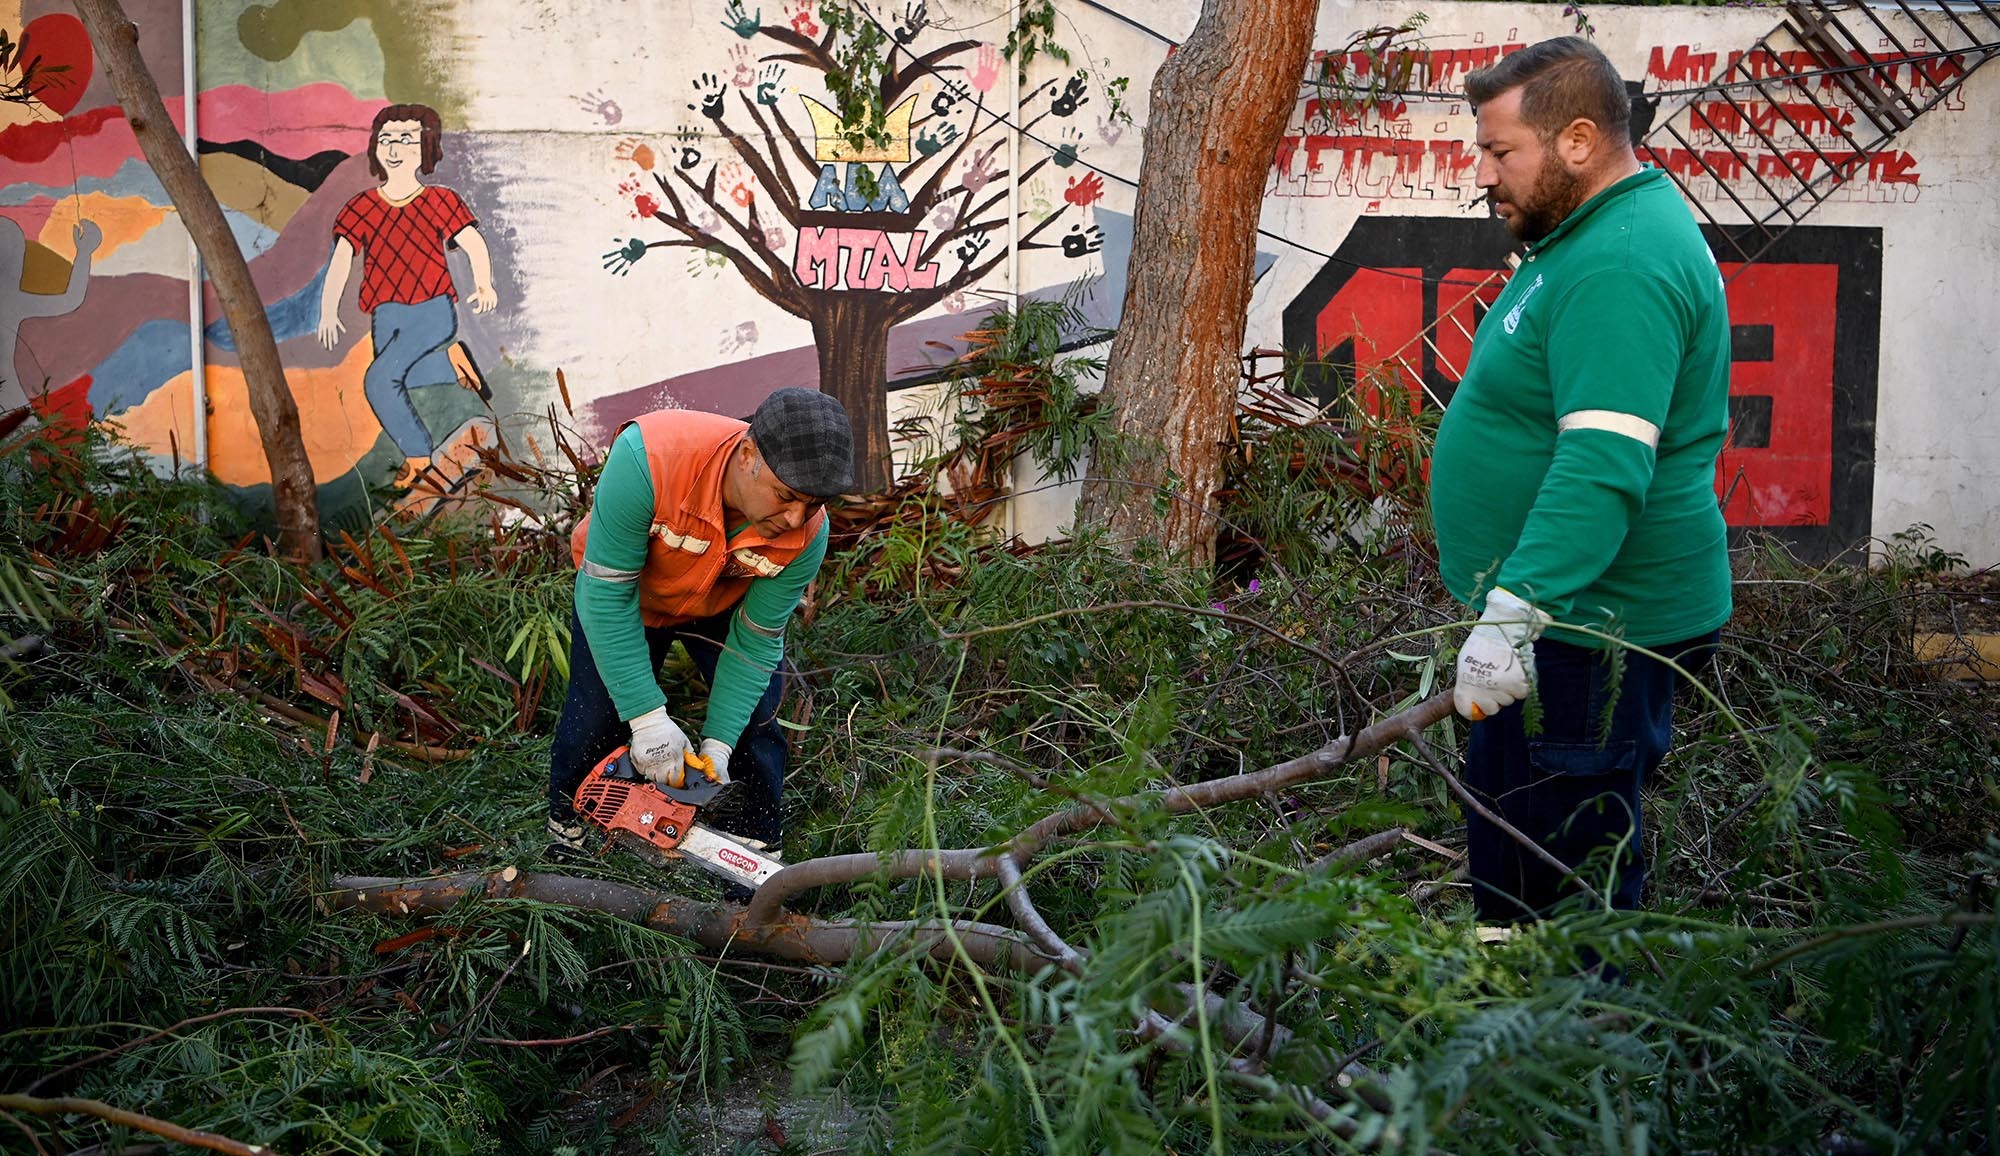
[60,41]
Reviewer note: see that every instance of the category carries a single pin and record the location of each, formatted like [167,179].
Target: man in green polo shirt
[1572,485]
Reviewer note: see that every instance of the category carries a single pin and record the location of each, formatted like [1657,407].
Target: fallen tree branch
[974,863]
[67,1105]
[713,925]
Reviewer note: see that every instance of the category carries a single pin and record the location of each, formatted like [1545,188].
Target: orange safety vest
[692,570]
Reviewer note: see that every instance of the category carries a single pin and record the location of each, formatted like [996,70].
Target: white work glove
[659,748]
[1496,666]
[717,753]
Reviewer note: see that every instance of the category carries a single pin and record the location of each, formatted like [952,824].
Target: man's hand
[659,748]
[717,753]
[1496,666]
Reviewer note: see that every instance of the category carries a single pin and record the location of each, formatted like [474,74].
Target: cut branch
[68,1105]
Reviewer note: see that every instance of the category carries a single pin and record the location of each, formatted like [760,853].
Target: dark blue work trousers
[1573,786]
[591,729]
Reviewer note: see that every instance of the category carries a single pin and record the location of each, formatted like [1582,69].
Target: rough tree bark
[1218,107]
[293,494]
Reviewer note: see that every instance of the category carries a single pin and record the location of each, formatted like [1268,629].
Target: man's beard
[1556,194]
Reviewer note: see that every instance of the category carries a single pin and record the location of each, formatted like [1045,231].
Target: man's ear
[1577,142]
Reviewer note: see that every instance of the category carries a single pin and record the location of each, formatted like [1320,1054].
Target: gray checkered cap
[807,441]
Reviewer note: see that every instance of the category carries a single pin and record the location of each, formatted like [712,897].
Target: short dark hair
[1560,80]
[433,134]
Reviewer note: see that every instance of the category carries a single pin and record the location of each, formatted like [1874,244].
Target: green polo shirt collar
[1645,176]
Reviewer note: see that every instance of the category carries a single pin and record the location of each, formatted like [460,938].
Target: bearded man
[1572,485]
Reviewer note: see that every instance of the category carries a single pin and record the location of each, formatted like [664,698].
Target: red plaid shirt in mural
[402,246]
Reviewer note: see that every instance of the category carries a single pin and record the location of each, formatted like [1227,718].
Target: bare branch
[717,926]
[899,80]
[805,51]
[1031,920]
[1361,850]
[777,159]
[65,1105]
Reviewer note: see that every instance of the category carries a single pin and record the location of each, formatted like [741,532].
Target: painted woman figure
[402,228]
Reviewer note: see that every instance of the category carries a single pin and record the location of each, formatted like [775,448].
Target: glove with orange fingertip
[1496,665]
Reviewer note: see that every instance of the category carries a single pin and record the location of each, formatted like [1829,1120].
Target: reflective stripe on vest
[1611,421]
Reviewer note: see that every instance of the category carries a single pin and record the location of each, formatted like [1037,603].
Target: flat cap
[805,438]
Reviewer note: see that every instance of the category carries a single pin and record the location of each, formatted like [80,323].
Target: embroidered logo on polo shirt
[1513,319]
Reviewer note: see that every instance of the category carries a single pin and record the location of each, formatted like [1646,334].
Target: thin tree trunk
[293,494]
[1218,107]
[851,332]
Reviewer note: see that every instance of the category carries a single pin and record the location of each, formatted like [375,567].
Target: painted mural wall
[446,201]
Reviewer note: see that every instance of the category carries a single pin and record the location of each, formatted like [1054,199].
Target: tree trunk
[1218,106]
[293,494]
[851,332]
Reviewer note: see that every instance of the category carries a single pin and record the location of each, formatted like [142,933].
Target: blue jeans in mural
[410,342]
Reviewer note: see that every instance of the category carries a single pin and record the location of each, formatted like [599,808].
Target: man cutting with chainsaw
[1573,481]
[704,530]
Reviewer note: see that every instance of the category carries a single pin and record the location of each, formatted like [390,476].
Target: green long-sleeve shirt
[620,522]
[1575,465]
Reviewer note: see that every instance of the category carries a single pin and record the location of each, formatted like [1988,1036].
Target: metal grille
[1830,107]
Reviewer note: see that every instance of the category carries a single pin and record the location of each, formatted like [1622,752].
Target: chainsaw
[659,821]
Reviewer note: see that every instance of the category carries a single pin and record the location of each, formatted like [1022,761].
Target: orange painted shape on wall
[122,220]
[334,418]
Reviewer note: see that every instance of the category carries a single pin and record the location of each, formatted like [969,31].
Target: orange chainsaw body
[613,797]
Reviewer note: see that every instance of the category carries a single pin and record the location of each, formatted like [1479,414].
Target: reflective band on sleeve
[607,574]
[750,624]
[1611,421]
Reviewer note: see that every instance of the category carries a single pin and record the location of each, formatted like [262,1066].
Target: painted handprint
[621,259]
[710,88]
[916,17]
[1084,191]
[985,68]
[945,217]
[802,17]
[929,142]
[979,172]
[601,106]
[744,336]
[734,19]
[1073,94]
[746,72]
[948,97]
[690,153]
[1109,131]
[635,152]
[972,245]
[1081,241]
[1072,140]
[768,80]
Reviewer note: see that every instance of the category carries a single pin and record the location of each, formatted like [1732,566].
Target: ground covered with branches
[201,739]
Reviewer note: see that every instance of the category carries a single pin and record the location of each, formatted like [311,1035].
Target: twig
[26,1131]
[1362,849]
[1480,809]
[1031,920]
[594,1033]
[66,1105]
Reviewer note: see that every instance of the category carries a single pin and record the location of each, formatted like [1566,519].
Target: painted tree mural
[856,227]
